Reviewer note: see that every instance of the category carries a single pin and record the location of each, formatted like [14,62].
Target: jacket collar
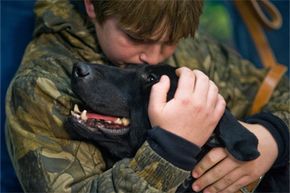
[53,16]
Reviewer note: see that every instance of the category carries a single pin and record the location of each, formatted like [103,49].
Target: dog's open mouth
[97,122]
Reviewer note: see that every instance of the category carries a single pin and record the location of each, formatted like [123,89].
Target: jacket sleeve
[46,160]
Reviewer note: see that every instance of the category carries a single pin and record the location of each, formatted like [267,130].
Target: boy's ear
[90,9]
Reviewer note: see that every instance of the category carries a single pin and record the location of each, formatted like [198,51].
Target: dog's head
[113,111]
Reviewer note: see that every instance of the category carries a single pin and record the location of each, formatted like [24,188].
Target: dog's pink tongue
[101,117]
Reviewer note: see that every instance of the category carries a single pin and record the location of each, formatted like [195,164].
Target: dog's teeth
[84,115]
[74,114]
[76,109]
[118,121]
[125,121]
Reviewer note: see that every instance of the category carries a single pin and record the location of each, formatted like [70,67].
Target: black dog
[115,101]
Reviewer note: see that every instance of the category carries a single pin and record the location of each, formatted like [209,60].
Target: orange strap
[266,89]
[254,18]
[251,12]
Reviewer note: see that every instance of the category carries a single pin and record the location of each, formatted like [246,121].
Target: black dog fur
[124,92]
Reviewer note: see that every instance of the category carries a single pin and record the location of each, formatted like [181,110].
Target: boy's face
[123,48]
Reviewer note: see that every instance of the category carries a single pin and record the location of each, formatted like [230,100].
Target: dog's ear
[165,69]
[240,142]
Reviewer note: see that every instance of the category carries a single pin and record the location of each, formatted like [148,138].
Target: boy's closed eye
[135,39]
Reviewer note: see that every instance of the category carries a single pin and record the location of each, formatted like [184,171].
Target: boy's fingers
[186,83]
[215,174]
[158,95]
[212,97]
[238,183]
[209,160]
[227,181]
[201,86]
[220,108]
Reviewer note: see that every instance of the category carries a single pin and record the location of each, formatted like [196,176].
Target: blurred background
[222,21]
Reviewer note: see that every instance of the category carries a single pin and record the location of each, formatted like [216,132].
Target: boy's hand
[194,111]
[220,172]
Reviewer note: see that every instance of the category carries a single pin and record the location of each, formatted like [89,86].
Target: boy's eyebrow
[138,38]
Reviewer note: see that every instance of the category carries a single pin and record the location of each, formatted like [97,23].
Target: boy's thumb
[158,95]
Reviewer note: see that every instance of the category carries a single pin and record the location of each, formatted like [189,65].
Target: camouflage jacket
[39,99]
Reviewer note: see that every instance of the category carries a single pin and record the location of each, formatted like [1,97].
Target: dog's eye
[151,79]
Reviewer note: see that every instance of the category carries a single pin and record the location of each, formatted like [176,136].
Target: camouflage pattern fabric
[39,99]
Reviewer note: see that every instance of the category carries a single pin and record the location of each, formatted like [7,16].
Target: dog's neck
[109,159]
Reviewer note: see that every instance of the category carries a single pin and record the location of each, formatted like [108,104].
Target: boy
[122,32]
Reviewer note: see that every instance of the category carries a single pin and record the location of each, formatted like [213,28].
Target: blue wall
[17,23]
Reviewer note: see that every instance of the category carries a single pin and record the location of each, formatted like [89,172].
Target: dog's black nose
[81,69]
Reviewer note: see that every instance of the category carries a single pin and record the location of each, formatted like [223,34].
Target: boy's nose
[152,55]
